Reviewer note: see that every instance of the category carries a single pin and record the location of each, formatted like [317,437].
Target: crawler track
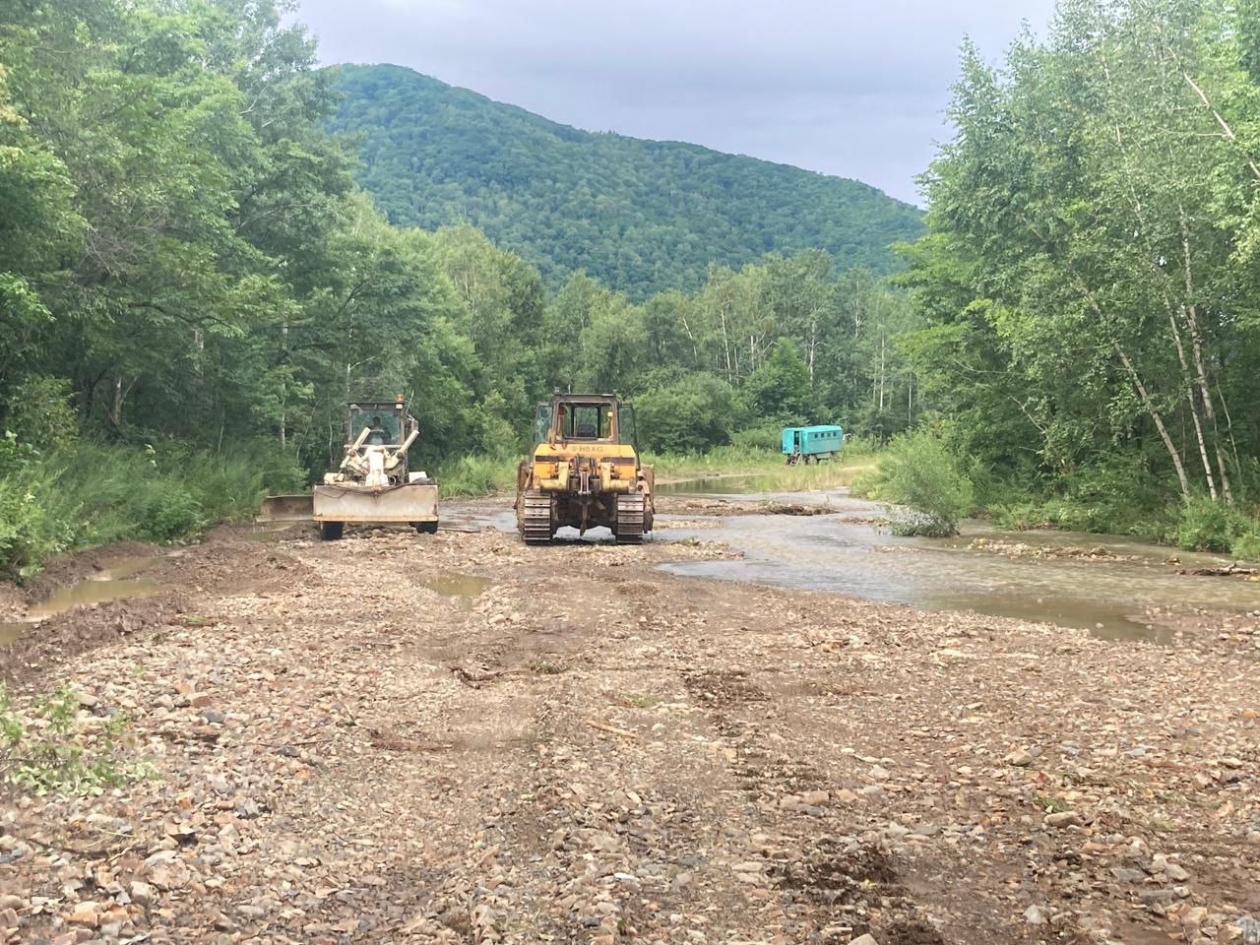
[535,518]
[630,518]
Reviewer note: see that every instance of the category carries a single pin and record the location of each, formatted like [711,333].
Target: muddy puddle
[465,588]
[717,485]
[119,581]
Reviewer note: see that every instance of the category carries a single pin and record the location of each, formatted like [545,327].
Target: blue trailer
[812,443]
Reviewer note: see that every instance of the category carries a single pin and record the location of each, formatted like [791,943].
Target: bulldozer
[584,471]
[372,485]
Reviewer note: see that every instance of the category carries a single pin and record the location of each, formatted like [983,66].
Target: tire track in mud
[833,888]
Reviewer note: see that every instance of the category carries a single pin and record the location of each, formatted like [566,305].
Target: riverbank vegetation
[1088,282]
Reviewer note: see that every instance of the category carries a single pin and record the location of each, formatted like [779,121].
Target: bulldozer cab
[387,423]
[585,419]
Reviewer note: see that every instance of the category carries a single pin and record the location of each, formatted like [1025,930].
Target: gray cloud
[855,89]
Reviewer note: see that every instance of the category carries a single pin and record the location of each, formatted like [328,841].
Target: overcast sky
[848,88]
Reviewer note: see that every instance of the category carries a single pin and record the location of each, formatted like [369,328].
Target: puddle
[113,583]
[10,632]
[716,485]
[465,587]
[117,582]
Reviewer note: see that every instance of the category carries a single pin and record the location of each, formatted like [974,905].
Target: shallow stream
[1043,576]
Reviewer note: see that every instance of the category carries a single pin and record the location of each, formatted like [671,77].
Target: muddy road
[453,738]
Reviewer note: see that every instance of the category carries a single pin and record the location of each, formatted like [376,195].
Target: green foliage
[918,473]
[641,216]
[1206,525]
[1246,544]
[477,476]
[1087,287]
[52,750]
[28,534]
[41,414]
[763,438]
[690,416]
[780,389]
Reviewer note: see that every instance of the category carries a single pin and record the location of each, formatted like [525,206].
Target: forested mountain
[192,285]
[640,216]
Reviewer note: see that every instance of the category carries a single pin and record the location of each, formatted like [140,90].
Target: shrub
[476,475]
[50,752]
[41,413]
[165,510]
[1207,525]
[764,438]
[1247,545]
[921,475]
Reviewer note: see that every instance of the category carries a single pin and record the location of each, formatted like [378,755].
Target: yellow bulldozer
[584,471]
[372,485]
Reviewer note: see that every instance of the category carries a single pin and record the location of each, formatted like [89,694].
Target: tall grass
[767,466]
[476,476]
[92,494]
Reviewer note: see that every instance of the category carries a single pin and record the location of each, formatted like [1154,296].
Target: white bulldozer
[373,484]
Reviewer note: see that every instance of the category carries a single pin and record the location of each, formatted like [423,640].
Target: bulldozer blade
[410,504]
[286,508]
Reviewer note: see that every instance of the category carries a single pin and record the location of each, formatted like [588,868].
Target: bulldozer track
[630,517]
[536,518]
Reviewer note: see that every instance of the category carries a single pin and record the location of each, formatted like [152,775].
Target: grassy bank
[479,475]
[473,476]
[89,495]
[766,466]
[937,489]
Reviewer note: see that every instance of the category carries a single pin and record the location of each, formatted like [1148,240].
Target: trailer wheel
[427,528]
[331,531]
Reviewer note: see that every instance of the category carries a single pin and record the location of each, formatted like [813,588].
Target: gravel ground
[360,742]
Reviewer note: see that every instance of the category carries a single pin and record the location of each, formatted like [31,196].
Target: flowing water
[845,552]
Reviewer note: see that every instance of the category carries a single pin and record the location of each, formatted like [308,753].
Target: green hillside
[642,216]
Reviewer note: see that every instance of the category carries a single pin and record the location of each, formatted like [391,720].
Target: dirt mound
[58,640]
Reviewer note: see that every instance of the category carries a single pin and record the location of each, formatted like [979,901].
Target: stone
[1177,874]
[867,939]
[85,914]
[1250,929]
[161,858]
[11,902]
[1067,818]
[1034,915]
[1019,758]
[141,893]
[1128,876]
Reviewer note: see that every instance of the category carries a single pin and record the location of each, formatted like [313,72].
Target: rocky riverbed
[401,738]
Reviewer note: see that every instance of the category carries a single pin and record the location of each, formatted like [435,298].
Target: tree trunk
[1191,315]
[1153,412]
